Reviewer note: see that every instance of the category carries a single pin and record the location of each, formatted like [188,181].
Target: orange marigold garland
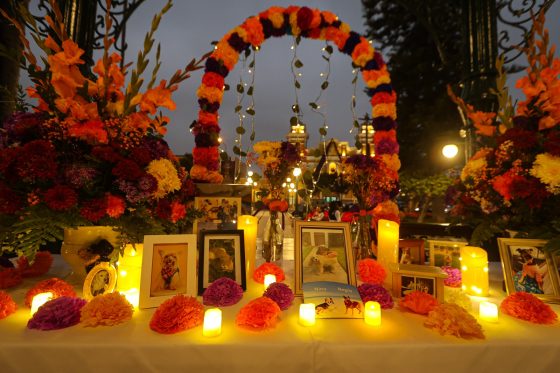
[371,272]
[9,277]
[58,287]
[40,266]
[419,302]
[177,314]
[268,268]
[259,314]
[451,319]
[107,309]
[7,305]
[527,307]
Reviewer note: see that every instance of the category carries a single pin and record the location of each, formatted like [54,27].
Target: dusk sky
[187,31]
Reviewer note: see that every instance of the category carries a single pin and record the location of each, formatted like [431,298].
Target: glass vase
[362,239]
[273,238]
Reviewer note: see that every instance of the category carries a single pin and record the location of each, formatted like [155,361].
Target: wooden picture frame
[415,277]
[322,252]
[100,280]
[168,268]
[411,251]
[445,253]
[221,254]
[528,268]
[221,212]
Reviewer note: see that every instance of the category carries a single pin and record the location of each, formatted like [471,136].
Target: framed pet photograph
[445,253]
[529,269]
[100,280]
[323,252]
[219,213]
[222,254]
[414,277]
[168,268]
[411,251]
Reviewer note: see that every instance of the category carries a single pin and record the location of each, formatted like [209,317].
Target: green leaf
[322,131]
[324,85]
[250,91]
[226,87]
[293,121]
[240,130]
[250,111]
[247,52]
[240,88]
[355,79]
[295,108]
[238,108]
[252,137]
[252,64]
[298,86]
[236,150]
[329,49]
[326,58]
[313,105]
[298,40]
[298,64]
[356,124]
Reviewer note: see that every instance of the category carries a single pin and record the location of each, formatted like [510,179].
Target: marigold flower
[166,174]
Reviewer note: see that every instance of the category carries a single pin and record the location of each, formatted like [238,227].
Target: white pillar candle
[212,326]
[249,225]
[474,271]
[372,313]
[387,247]
[130,268]
[307,314]
[132,296]
[488,311]
[39,300]
[269,279]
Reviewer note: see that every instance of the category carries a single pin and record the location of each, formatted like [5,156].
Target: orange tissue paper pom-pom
[259,314]
[58,287]
[107,309]
[527,307]
[9,277]
[419,302]
[7,305]
[371,272]
[177,314]
[451,319]
[268,268]
[41,265]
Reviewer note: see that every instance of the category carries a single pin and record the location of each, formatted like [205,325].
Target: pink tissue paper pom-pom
[281,294]
[177,314]
[371,272]
[259,314]
[58,313]
[453,277]
[377,293]
[7,305]
[222,292]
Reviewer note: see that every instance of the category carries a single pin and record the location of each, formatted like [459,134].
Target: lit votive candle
[307,314]
[488,311]
[212,326]
[269,279]
[132,296]
[372,313]
[474,271]
[39,300]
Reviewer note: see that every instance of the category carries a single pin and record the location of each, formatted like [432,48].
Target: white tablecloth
[401,344]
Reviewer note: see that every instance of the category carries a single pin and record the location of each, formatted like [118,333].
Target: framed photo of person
[168,268]
[529,269]
[411,251]
[219,213]
[323,252]
[100,280]
[445,253]
[222,254]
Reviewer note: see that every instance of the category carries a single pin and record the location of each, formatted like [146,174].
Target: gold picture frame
[323,252]
[220,212]
[528,268]
[445,253]
[100,280]
[168,268]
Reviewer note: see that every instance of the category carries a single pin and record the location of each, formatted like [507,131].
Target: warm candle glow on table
[132,296]
[307,314]
[269,279]
[249,224]
[212,322]
[129,269]
[488,311]
[474,270]
[372,313]
[387,247]
[39,300]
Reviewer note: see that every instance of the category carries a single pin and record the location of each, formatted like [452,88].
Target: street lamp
[450,151]
[296,172]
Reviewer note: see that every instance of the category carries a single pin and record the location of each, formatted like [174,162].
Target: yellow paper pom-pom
[107,309]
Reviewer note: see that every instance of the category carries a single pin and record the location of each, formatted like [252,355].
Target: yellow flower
[547,169]
[166,175]
[474,168]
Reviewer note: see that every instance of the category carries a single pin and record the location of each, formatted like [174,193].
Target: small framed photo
[445,253]
[414,277]
[529,269]
[100,280]
[411,251]
[219,213]
[323,252]
[168,268]
[222,254]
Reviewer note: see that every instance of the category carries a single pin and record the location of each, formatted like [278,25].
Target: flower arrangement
[92,151]
[512,182]
[276,159]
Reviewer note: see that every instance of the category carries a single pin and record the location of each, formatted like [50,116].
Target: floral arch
[297,21]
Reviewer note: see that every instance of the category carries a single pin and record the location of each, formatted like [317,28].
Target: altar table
[400,344]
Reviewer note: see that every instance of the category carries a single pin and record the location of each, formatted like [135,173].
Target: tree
[422,42]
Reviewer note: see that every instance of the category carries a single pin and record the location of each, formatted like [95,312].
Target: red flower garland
[527,307]
[268,268]
[58,287]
